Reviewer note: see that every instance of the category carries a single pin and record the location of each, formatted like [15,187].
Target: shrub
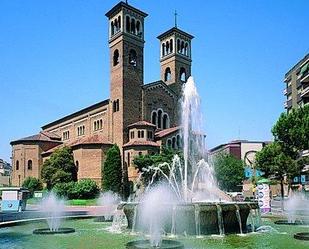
[84,189]
[33,184]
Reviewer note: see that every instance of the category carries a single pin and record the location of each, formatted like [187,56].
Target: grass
[74,202]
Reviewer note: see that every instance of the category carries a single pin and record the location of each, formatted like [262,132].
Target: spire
[175,14]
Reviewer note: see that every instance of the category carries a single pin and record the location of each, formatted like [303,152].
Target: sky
[54,60]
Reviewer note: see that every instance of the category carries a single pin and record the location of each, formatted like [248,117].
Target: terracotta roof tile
[166,132]
[141,143]
[38,137]
[141,123]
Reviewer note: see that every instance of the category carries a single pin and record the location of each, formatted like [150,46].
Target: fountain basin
[59,231]
[295,223]
[301,236]
[145,244]
[185,217]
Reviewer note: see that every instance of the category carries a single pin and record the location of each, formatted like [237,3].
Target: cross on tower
[175,18]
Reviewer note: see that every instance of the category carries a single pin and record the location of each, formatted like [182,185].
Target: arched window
[167,74]
[163,49]
[95,126]
[174,143]
[186,49]
[182,74]
[116,57]
[17,165]
[101,123]
[178,46]
[178,142]
[133,57]
[169,143]
[133,31]
[29,164]
[159,119]
[154,118]
[182,47]
[138,27]
[112,28]
[165,121]
[171,46]
[167,47]
[127,24]
[119,22]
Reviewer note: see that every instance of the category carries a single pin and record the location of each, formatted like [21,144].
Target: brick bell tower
[126,44]
[175,57]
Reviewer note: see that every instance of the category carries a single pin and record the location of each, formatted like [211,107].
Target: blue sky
[54,60]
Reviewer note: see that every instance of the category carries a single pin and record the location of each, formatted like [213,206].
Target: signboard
[263,197]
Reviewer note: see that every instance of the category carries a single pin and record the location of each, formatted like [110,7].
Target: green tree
[273,160]
[229,171]
[33,184]
[292,131]
[59,168]
[112,170]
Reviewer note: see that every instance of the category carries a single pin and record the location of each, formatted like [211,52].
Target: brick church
[139,117]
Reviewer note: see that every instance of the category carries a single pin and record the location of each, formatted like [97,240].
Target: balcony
[305,92]
[285,91]
[288,104]
[304,74]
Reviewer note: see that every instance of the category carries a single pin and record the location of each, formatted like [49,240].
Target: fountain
[108,202]
[296,207]
[195,205]
[53,209]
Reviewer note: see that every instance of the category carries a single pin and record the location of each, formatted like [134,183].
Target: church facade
[140,118]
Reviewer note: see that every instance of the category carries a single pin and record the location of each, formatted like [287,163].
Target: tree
[59,168]
[292,131]
[33,184]
[112,170]
[229,171]
[273,160]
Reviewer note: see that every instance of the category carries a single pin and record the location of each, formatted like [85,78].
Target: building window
[29,164]
[140,134]
[116,57]
[116,105]
[133,58]
[159,119]
[129,163]
[132,134]
[154,117]
[149,134]
[17,165]
[178,141]
[77,165]
[133,30]
[178,46]
[174,143]
[169,143]
[167,74]
[163,49]
[182,74]
[165,121]
[81,130]
[171,46]
[98,125]
[66,135]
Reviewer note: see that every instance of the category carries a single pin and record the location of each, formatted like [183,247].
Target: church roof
[124,5]
[166,132]
[141,143]
[94,139]
[75,114]
[41,137]
[159,83]
[175,30]
[141,123]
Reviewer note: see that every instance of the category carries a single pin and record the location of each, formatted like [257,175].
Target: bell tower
[126,44]
[175,57]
